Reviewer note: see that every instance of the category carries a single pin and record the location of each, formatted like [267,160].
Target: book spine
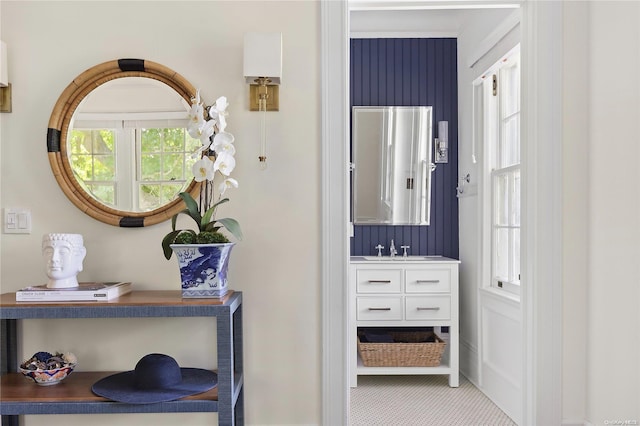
[67,296]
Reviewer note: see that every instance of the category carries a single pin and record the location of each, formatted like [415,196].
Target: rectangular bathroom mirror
[392,165]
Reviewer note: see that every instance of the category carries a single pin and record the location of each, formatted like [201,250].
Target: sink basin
[399,258]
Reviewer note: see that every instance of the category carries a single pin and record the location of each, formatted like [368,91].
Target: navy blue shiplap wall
[412,72]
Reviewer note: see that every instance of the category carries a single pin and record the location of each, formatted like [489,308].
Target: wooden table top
[135,298]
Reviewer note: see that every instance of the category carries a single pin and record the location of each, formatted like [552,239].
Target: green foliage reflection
[163,157]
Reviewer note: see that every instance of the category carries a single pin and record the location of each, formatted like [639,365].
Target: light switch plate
[441,152]
[17,221]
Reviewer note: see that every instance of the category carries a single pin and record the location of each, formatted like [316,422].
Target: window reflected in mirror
[128,146]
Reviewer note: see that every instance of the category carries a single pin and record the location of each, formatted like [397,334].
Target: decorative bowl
[48,377]
[48,369]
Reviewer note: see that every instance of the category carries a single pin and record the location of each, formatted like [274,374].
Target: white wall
[601,226]
[613,370]
[276,265]
[576,180]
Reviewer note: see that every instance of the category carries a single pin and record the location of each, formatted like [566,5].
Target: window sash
[501,119]
[156,189]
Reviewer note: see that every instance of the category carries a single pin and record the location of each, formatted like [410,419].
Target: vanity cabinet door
[428,281]
[428,307]
[379,281]
[379,308]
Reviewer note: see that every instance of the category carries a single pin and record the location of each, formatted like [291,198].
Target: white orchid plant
[217,159]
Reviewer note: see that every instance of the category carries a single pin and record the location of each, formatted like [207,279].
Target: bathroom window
[501,124]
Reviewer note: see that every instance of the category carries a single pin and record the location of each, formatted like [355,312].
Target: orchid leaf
[167,241]
[174,218]
[212,227]
[192,207]
[232,226]
[206,219]
[224,200]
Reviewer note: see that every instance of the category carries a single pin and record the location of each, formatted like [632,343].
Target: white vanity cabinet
[404,293]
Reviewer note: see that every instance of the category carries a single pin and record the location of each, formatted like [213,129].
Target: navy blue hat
[156,378]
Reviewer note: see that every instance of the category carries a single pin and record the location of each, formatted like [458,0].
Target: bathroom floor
[421,401]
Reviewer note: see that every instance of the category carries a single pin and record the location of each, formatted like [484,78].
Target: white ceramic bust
[63,254]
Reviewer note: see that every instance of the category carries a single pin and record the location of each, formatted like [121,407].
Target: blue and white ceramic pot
[203,269]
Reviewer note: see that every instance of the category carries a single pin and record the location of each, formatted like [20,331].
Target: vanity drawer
[379,308]
[428,307]
[428,281]
[379,281]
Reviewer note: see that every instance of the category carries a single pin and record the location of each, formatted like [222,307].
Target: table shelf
[21,396]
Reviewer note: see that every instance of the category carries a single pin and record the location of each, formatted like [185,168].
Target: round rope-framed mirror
[67,148]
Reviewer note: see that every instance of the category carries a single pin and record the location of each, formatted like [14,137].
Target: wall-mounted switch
[441,151]
[17,221]
[442,143]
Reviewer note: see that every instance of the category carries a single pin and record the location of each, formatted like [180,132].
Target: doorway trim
[335,255]
[542,213]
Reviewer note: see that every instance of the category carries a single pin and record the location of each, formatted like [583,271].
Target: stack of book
[85,292]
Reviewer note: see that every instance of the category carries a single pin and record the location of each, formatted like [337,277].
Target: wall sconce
[5,86]
[442,143]
[263,70]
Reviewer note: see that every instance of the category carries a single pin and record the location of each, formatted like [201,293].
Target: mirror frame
[58,129]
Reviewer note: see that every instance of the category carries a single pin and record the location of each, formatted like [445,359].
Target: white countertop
[401,259]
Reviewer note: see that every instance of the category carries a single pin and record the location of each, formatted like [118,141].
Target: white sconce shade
[4,74]
[263,57]
[443,131]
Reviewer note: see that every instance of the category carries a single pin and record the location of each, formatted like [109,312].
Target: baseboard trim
[469,362]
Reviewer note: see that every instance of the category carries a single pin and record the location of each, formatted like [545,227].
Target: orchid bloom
[228,183]
[203,169]
[204,133]
[218,112]
[223,142]
[225,163]
[196,121]
[196,116]
[196,113]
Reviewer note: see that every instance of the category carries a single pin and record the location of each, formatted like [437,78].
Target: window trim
[488,123]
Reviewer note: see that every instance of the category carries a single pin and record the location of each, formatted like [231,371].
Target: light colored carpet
[421,401]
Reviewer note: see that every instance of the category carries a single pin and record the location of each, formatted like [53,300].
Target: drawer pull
[437,308]
[379,309]
[427,281]
[379,281]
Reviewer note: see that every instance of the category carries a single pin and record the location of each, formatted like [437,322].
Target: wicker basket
[409,349]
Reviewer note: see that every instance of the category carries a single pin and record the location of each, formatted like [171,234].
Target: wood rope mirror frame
[58,130]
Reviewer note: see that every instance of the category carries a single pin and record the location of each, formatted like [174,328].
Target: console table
[73,396]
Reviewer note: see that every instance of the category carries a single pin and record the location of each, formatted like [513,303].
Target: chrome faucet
[392,250]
